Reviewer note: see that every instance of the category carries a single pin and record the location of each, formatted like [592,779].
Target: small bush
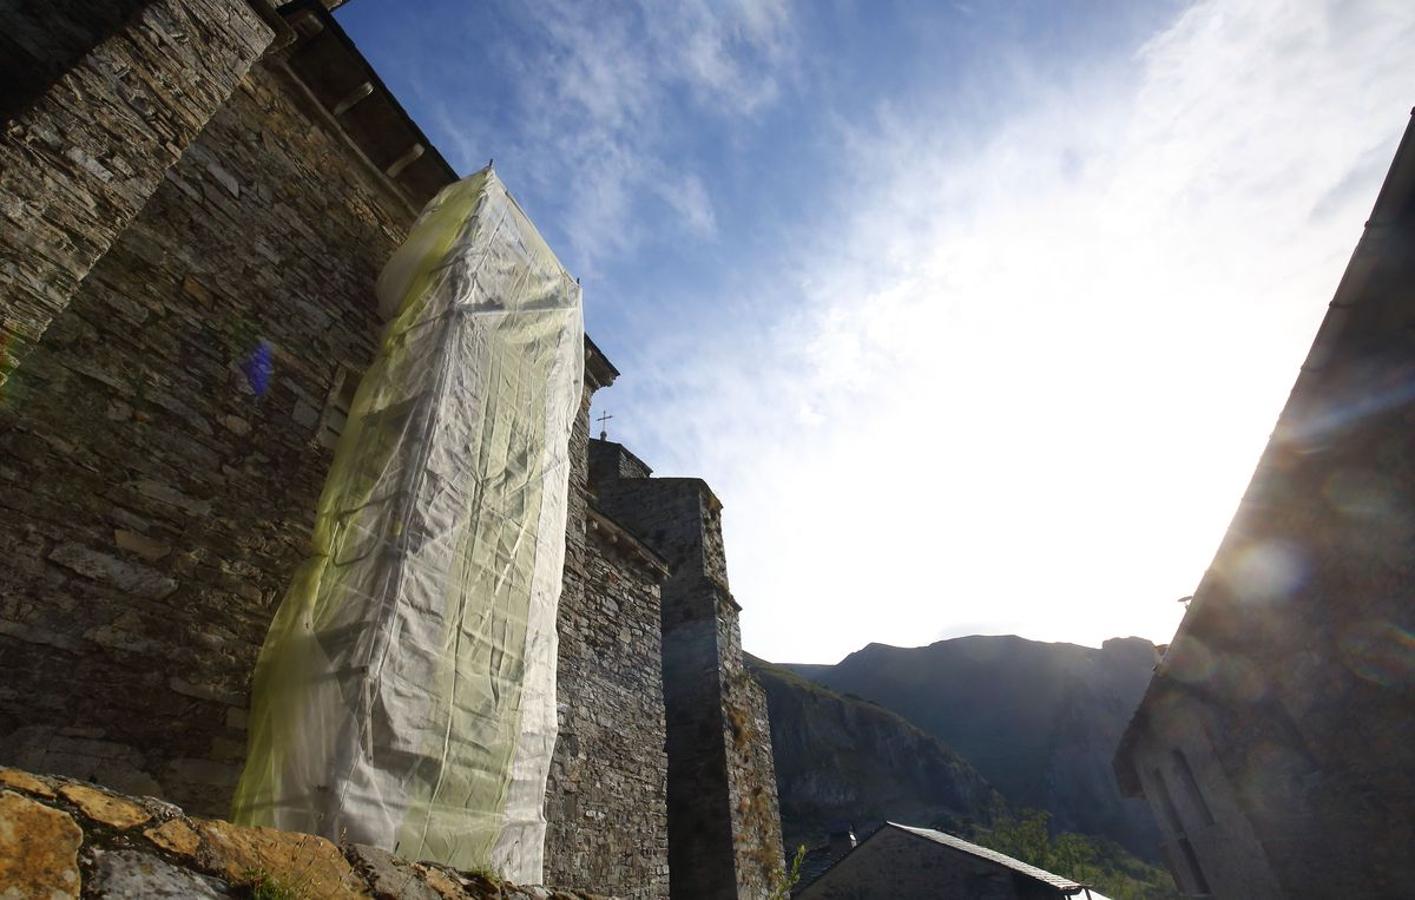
[1102,864]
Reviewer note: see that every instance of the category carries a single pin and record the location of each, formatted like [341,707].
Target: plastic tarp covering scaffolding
[405,695]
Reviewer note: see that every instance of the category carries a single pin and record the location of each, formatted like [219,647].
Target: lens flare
[1268,571]
[1241,678]
[1380,652]
[1190,661]
[259,366]
[1323,423]
[1359,493]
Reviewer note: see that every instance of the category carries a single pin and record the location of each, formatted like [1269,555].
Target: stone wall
[723,822]
[667,514]
[606,803]
[158,468]
[63,839]
[1289,682]
[188,264]
[609,461]
[751,772]
[42,40]
[82,154]
[1208,842]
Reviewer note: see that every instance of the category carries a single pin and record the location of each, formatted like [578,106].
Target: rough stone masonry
[719,741]
[64,838]
[197,197]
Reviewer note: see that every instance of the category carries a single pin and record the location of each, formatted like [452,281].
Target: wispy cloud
[605,100]
[1012,301]
[1023,375]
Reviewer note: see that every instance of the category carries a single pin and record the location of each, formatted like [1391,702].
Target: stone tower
[723,822]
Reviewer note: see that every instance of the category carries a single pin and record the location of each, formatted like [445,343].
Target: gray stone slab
[389,876]
[130,873]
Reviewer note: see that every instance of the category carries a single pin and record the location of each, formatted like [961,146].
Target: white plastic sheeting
[405,695]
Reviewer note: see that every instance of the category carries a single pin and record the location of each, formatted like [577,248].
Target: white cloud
[1026,377]
[600,100]
[689,199]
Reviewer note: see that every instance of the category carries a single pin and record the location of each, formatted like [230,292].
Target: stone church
[1274,743]
[197,198]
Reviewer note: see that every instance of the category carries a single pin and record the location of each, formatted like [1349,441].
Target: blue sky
[975,315]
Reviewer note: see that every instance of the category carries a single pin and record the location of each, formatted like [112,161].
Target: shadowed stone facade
[193,235]
[160,469]
[1274,743]
[606,804]
[607,798]
[101,103]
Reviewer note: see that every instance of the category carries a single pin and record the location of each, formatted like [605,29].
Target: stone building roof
[626,542]
[332,71]
[1061,885]
[598,368]
[1064,885]
[341,80]
[818,860]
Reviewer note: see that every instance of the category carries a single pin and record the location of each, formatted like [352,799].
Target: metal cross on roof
[603,431]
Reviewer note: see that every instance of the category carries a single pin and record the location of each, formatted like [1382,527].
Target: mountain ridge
[1038,720]
[844,760]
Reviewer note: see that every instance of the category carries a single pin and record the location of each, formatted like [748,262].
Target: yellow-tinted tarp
[405,695]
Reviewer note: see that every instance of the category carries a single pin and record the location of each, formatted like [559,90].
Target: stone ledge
[64,838]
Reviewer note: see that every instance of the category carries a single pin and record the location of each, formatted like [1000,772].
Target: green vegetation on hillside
[842,758]
[1040,721]
[1102,864]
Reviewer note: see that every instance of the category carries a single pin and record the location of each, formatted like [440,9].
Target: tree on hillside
[1095,861]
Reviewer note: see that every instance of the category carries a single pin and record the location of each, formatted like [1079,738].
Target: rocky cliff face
[1039,721]
[842,759]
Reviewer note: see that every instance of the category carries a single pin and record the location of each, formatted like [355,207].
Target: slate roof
[1064,885]
[817,862]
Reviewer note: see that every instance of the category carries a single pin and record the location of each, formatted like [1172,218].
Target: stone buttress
[723,822]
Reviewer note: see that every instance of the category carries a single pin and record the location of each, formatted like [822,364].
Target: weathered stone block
[144,546]
[39,850]
[225,179]
[131,873]
[130,578]
[23,781]
[42,748]
[204,692]
[174,836]
[313,863]
[104,807]
[389,876]
[202,772]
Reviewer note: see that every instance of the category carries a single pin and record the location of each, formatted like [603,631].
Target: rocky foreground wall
[62,838]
